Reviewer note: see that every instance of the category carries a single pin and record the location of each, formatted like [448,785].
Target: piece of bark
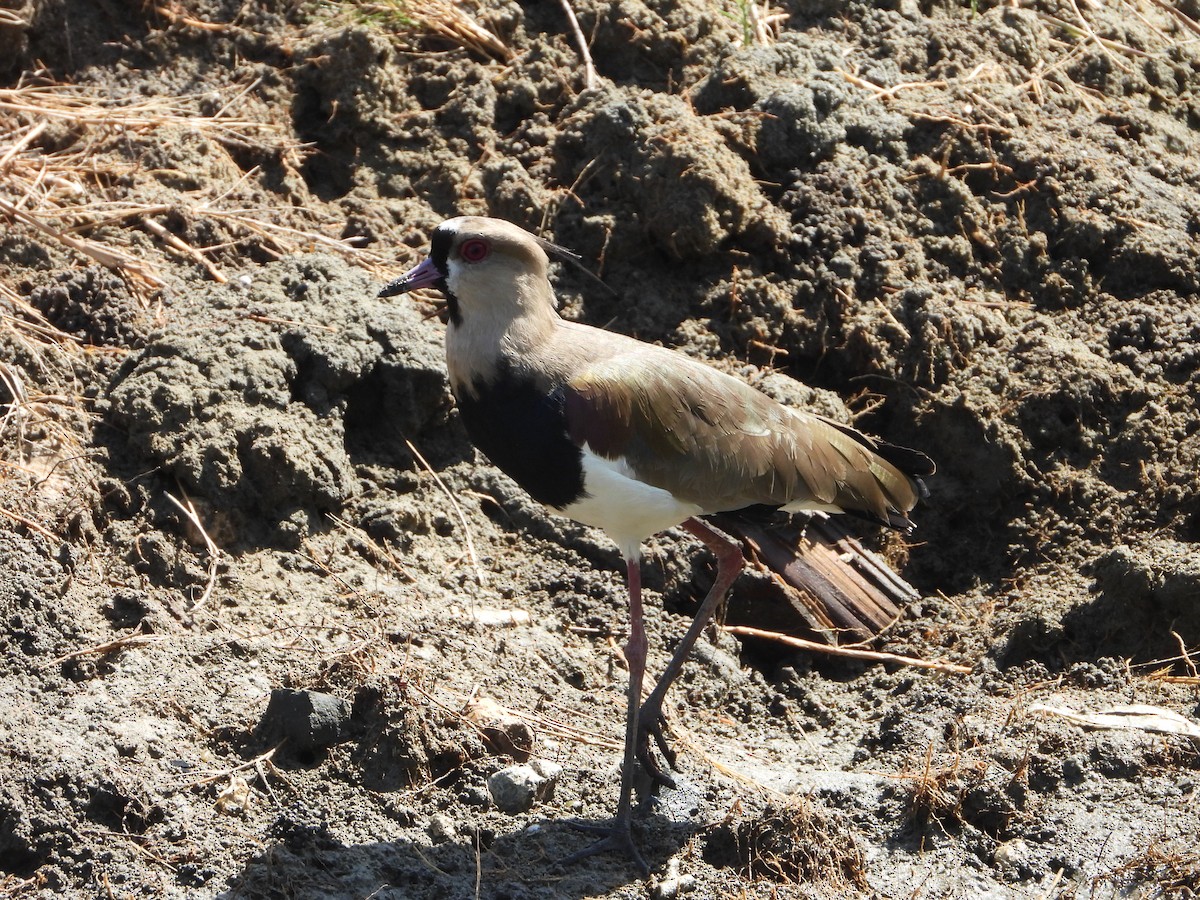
[822,580]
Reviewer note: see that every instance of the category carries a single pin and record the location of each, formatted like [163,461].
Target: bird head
[486,268]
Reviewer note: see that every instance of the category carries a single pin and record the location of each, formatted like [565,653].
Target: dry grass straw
[589,68]
[442,18]
[70,176]
[1164,869]
[796,842]
[89,195]
[936,792]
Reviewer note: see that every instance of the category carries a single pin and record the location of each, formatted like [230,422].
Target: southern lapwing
[633,439]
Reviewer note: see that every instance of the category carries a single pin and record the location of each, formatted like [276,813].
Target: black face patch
[439,253]
[439,250]
[522,429]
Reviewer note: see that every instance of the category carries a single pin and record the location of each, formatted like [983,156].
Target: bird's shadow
[307,861]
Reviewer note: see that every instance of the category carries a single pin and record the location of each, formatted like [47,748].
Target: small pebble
[672,883]
[441,829]
[1011,854]
[517,788]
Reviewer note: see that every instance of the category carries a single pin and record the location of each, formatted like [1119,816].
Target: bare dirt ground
[227,470]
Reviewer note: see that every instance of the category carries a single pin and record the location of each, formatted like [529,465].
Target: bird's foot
[617,838]
[652,724]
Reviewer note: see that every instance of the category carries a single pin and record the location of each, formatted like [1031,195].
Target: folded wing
[714,441]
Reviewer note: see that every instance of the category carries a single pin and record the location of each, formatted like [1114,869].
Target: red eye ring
[474,250]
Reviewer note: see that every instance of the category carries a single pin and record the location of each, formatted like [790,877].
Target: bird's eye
[474,251]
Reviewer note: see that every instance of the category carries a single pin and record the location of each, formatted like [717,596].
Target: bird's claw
[652,724]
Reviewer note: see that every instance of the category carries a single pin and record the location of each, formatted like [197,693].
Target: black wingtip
[912,463]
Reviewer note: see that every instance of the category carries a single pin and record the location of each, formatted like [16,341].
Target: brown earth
[972,228]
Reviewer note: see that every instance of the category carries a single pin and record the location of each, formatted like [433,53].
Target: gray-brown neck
[512,320]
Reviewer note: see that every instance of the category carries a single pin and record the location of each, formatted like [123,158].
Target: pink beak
[424,274]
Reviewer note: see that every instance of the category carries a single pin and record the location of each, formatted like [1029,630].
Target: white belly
[627,509]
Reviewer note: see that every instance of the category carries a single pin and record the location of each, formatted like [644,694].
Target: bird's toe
[617,838]
[654,726]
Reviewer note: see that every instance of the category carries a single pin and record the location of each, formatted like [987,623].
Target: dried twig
[28,523]
[133,638]
[214,552]
[183,247]
[589,70]
[883,93]
[1185,654]
[872,655]
[462,518]
[174,14]
[255,763]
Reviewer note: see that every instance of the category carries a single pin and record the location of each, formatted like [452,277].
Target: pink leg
[650,718]
[618,835]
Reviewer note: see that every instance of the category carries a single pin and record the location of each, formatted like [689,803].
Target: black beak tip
[394,289]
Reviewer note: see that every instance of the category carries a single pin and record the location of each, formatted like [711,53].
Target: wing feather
[715,441]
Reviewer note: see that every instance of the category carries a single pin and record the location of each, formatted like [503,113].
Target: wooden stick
[872,655]
[171,240]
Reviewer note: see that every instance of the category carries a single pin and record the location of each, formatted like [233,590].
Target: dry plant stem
[20,145]
[135,637]
[873,655]
[1185,655]
[1052,886]
[458,510]
[225,773]
[883,93]
[589,70]
[28,523]
[175,15]
[1103,44]
[15,384]
[214,552]
[105,256]
[183,247]
[764,22]
[267,230]
[1187,21]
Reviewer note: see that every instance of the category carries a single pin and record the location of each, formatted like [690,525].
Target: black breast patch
[522,429]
